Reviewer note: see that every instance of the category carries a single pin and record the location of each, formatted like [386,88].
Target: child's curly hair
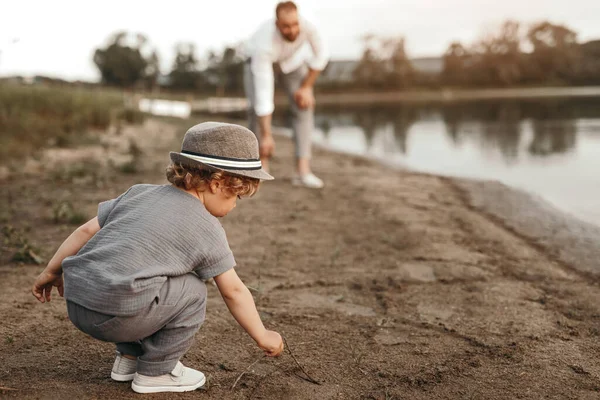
[199,178]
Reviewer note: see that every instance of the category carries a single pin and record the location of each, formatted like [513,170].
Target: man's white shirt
[268,46]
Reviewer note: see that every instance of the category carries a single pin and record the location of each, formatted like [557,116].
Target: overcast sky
[58,38]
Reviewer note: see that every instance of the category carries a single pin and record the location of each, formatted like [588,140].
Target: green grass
[33,117]
[16,241]
[64,212]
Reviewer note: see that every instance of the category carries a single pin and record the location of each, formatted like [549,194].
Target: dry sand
[387,285]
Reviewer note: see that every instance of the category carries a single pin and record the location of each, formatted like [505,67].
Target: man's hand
[42,287]
[271,343]
[267,146]
[304,98]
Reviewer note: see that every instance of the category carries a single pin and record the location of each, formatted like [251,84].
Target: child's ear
[187,180]
[214,186]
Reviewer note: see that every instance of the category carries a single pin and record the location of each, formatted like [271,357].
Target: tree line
[545,53]
[128,61]
[512,55]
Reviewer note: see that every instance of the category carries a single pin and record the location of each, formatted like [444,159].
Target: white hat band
[220,162]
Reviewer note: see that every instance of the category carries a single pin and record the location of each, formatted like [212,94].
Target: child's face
[218,201]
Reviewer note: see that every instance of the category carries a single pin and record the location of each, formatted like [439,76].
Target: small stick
[253,289]
[243,372]
[7,388]
[308,377]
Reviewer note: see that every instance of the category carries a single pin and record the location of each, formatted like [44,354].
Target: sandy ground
[574,242]
[386,284]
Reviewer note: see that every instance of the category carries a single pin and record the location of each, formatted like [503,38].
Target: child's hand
[42,287]
[271,343]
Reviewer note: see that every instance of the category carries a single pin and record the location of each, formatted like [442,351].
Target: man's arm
[52,274]
[261,68]
[264,123]
[241,305]
[311,78]
[320,51]
[304,96]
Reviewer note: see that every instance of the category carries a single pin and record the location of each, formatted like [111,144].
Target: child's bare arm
[52,274]
[242,307]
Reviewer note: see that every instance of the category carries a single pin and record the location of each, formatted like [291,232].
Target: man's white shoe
[123,369]
[181,379]
[308,180]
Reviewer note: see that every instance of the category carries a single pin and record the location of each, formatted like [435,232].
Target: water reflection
[550,147]
[373,120]
[495,126]
[499,126]
[551,137]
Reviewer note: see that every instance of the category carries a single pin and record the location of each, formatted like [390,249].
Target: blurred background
[507,90]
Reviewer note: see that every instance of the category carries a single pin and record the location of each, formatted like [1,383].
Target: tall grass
[36,117]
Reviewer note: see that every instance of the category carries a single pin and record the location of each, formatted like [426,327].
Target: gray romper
[138,282]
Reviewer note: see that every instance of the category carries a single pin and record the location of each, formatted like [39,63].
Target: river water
[548,147]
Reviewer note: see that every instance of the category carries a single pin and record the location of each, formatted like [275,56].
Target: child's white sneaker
[123,369]
[181,379]
[308,180]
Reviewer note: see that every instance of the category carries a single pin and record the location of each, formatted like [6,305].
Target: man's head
[287,20]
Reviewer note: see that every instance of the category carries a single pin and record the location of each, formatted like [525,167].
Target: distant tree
[384,63]
[400,71]
[369,71]
[226,70]
[126,64]
[185,74]
[456,63]
[555,52]
[498,57]
[153,70]
[589,67]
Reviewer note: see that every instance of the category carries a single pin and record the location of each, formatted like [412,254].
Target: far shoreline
[452,95]
[237,103]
